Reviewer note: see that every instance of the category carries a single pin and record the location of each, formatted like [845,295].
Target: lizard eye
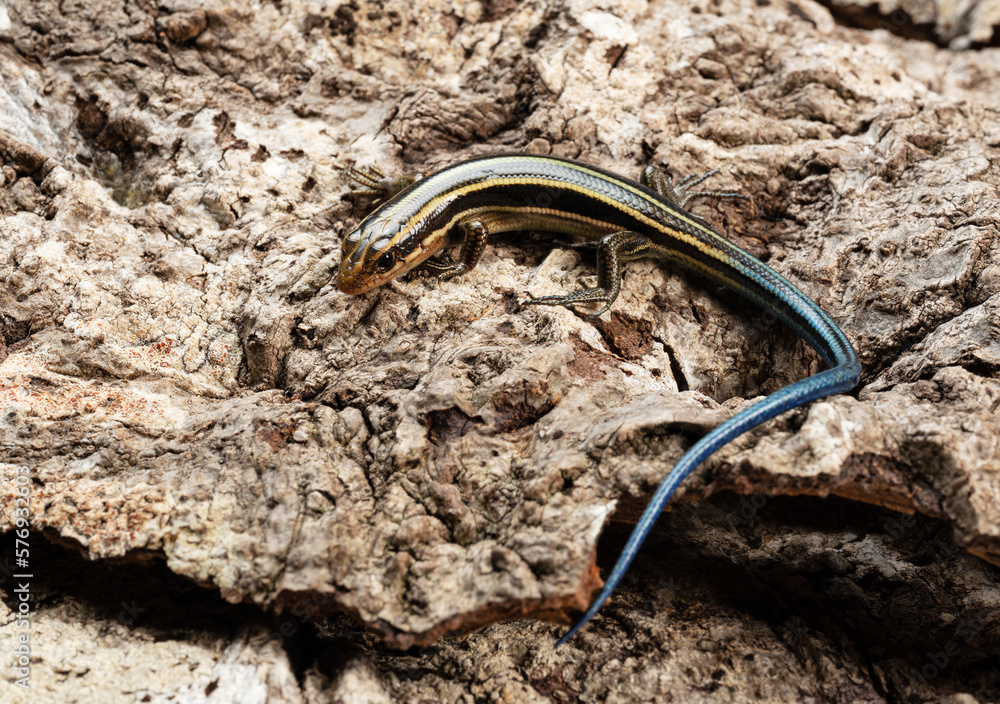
[385,262]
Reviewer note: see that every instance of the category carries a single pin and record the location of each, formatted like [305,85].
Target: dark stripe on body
[746,277]
[603,196]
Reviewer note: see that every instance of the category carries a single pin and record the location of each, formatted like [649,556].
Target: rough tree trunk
[204,418]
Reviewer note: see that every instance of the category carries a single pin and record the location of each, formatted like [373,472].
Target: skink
[466,204]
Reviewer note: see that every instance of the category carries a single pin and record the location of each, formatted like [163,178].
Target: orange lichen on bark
[28,388]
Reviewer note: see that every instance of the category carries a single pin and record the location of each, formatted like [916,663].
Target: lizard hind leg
[612,252]
[680,194]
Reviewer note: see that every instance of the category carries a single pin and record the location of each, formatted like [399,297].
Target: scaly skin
[467,203]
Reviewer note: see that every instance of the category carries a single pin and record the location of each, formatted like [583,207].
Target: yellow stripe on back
[557,184]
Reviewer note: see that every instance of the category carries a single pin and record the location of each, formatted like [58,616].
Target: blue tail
[840,378]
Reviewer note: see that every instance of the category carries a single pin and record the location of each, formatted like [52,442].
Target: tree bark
[196,404]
